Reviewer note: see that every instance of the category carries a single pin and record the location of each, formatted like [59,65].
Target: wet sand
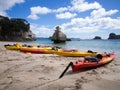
[20,71]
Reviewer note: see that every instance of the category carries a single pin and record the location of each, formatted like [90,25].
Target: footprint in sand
[80,82]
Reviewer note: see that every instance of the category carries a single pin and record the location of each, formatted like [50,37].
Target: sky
[83,19]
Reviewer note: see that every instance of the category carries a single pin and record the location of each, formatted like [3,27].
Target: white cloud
[33,16]
[41,31]
[82,5]
[2,12]
[35,11]
[61,9]
[102,12]
[90,25]
[109,23]
[99,20]
[7,4]
[40,10]
[78,22]
[66,15]
[76,6]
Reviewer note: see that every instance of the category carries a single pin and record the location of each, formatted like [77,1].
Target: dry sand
[20,71]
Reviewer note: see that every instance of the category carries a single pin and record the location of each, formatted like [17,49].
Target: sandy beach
[20,71]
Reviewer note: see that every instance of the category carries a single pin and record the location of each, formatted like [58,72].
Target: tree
[8,26]
[19,24]
[15,29]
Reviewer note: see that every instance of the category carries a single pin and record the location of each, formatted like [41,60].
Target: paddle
[70,64]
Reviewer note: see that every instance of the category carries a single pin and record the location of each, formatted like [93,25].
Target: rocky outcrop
[15,29]
[97,37]
[113,36]
[58,36]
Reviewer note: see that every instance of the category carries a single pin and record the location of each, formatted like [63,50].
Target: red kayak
[82,65]
[89,63]
[37,50]
[33,51]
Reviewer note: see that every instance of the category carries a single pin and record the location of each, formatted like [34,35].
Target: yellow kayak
[41,50]
[13,47]
[75,53]
[51,51]
[38,50]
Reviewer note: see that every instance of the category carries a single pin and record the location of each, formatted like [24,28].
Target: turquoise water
[84,45]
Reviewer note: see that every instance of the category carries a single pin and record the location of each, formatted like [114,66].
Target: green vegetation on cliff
[15,29]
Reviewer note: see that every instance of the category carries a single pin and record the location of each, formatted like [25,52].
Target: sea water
[84,45]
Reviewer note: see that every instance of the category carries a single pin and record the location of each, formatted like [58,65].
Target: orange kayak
[81,65]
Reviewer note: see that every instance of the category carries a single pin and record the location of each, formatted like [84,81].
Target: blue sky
[77,18]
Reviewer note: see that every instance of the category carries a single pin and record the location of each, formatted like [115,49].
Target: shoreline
[20,71]
[117,53]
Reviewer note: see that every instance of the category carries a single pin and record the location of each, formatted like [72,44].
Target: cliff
[15,29]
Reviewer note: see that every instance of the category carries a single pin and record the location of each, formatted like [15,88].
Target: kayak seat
[93,59]
[56,48]
[90,51]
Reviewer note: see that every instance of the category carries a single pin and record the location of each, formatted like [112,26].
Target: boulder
[58,36]
[113,36]
[97,37]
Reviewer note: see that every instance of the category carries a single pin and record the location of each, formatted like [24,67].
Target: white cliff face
[19,36]
[29,35]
